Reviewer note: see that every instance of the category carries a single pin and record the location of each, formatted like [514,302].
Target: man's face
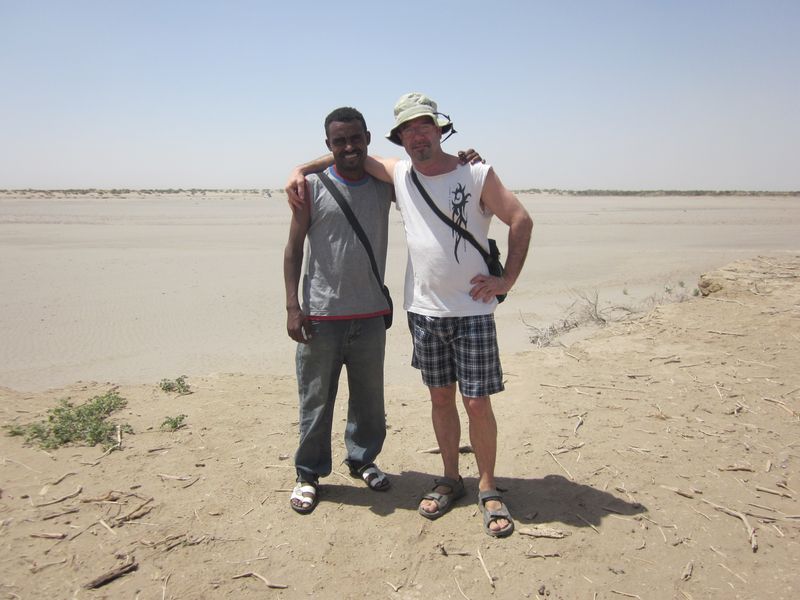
[348,141]
[420,137]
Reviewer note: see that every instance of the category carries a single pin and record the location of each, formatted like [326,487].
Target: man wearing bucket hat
[412,106]
[449,294]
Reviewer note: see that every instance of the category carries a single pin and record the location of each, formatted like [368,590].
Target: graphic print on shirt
[459,197]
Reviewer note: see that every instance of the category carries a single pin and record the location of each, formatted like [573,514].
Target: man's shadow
[550,499]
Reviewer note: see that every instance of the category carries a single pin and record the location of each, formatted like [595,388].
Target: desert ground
[653,455]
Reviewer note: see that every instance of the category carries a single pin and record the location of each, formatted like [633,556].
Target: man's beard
[422,153]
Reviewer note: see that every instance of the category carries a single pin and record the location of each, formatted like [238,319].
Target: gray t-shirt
[338,282]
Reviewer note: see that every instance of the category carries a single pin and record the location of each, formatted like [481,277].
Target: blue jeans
[359,345]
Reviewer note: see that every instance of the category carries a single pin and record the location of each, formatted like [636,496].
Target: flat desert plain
[653,457]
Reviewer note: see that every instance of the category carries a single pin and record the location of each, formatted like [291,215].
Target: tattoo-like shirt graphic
[458,208]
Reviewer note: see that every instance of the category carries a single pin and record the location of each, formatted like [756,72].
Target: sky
[618,94]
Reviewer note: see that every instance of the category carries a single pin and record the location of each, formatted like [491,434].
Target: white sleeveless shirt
[440,263]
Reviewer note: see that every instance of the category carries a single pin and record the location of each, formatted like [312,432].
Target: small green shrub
[173,423]
[86,424]
[178,385]
[14,430]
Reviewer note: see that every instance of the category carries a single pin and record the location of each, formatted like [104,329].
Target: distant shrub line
[656,193]
[268,192]
[122,191]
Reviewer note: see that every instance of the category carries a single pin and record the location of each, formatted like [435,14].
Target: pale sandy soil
[137,288]
[633,442]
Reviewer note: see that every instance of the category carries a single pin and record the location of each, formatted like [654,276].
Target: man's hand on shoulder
[296,189]
[469,157]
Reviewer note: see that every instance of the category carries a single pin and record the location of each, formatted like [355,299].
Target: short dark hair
[344,114]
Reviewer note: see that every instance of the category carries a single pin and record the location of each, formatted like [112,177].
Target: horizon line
[555,191]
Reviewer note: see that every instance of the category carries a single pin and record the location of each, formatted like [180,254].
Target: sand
[633,440]
[133,288]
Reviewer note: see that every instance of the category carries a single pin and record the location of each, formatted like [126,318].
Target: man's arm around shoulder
[381,168]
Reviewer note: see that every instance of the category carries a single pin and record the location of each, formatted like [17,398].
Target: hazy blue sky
[617,94]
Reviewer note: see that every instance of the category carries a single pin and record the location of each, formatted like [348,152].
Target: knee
[442,403]
[443,398]
[478,408]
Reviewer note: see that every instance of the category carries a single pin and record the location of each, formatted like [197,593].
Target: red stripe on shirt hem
[346,317]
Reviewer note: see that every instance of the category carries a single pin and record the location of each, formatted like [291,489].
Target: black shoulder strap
[464,233]
[348,212]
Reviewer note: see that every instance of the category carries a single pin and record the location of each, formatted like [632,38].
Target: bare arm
[507,207]
[296,321]
[381,168]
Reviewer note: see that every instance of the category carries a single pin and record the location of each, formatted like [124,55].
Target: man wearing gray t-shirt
[340,322]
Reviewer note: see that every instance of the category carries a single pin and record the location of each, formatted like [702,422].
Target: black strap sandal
[374,478]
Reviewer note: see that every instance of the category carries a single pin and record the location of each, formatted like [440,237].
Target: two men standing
[449,294]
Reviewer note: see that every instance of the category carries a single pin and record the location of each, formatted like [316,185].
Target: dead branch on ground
[540,531]
[466,449]
[485,570]
[57,500]
[109,576]
[267,582]
[751,532]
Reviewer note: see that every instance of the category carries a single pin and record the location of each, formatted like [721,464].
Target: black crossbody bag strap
[348,212]
[464,233]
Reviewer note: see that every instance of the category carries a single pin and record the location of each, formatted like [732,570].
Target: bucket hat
[413,105]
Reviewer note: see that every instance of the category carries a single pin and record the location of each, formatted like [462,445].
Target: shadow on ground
[551,499]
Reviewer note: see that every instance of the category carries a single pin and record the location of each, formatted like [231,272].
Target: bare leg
[447,427]
[483,437]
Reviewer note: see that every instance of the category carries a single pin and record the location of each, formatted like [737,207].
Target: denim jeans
[359,345]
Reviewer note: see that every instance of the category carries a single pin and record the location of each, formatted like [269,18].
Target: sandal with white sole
[306,494]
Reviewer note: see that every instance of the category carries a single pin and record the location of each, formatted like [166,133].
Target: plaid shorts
[462,349]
